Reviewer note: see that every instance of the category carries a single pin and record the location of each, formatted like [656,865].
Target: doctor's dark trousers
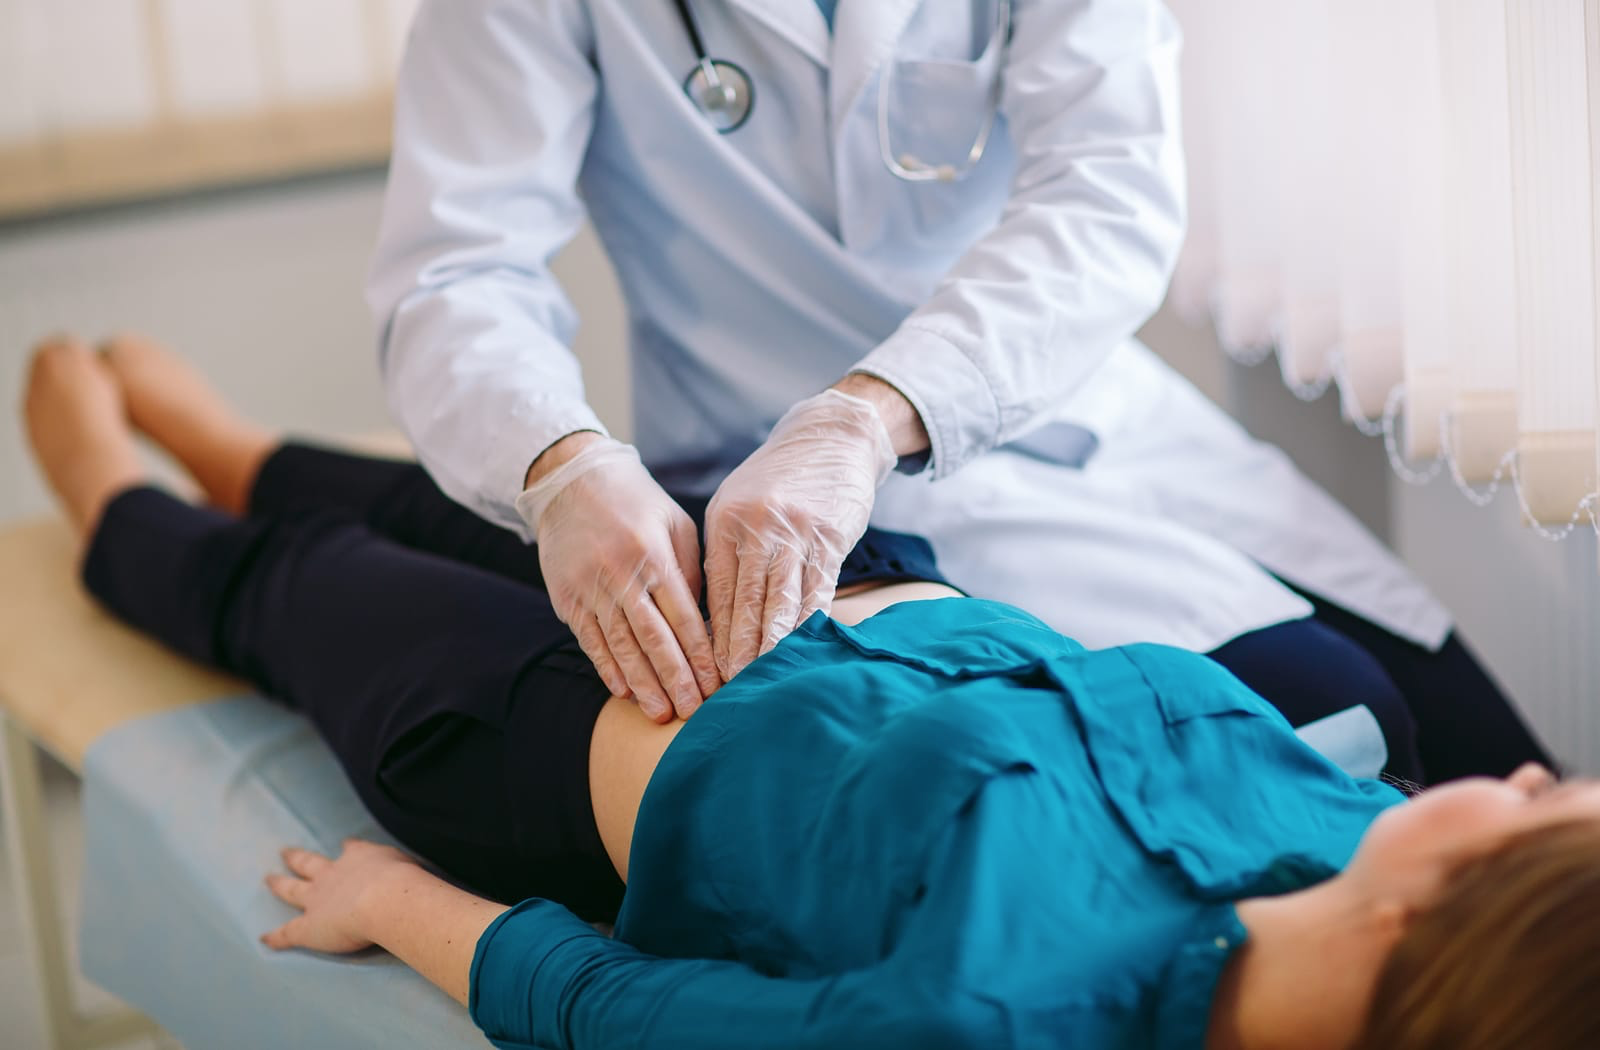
[421,643]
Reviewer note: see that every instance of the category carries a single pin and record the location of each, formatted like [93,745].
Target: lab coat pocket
[937,110]
[940,114]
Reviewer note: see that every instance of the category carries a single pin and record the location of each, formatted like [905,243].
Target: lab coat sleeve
[494,110]
[1084,248]
[540,977]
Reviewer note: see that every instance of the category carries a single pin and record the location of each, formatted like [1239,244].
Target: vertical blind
[1401,198]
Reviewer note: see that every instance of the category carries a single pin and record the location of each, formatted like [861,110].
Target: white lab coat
[761,266]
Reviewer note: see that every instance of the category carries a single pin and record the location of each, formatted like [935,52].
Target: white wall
[1530,608]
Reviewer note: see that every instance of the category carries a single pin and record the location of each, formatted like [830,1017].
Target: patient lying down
[926,822]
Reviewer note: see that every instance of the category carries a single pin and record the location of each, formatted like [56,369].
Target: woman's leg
[1308,671]
[459,706]
[256,473]
[246,469]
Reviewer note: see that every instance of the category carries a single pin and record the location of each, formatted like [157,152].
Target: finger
[686,549]
[679,602]
[662,649]
[819,587]
[593,642]
[643,684]
[279,939]
[288,889]
[296,933]
[304,862]
[749,605]
[782,612]
[722,575]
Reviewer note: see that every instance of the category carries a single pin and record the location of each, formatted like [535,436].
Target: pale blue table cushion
[184,814]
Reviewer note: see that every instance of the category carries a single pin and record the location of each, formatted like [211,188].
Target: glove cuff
[855,415]
[536,499]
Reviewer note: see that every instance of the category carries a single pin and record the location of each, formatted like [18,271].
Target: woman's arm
[542,977]
[376,895]
[539,976]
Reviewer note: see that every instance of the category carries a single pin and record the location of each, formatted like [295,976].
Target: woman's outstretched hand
[329,894]
[376,895]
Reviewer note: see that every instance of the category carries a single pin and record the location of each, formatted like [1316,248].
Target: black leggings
[419,640]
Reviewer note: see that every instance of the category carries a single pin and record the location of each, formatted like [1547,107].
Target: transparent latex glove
[621,561]
[779,527]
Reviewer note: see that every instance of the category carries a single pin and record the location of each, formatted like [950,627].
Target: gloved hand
[622,563]
[779,527]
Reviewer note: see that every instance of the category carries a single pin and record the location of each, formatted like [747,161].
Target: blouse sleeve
[543,978]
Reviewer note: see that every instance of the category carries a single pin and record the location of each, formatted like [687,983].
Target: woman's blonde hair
[1507,959]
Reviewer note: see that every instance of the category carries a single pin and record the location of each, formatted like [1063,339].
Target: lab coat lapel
[865,33]
[801,23]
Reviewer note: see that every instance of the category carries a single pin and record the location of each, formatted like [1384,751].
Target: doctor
[882,263]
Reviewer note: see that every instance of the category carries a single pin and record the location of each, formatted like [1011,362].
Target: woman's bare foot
[79,434]
[173,404]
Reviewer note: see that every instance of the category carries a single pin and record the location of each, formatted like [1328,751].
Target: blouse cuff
[512,986]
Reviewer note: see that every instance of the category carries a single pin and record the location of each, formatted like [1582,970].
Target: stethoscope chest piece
[722,91]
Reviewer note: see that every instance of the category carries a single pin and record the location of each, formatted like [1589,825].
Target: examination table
[191,786]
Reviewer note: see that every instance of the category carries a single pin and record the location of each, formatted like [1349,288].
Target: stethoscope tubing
[693,29]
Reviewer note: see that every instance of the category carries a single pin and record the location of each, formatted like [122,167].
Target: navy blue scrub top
[946,827]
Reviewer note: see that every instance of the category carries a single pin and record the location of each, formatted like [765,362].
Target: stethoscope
[724,94]
[721,90]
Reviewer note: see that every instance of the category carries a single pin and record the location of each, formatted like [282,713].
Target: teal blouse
[947,827]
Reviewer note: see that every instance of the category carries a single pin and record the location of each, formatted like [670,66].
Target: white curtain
[1553,194]
[1403,196]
